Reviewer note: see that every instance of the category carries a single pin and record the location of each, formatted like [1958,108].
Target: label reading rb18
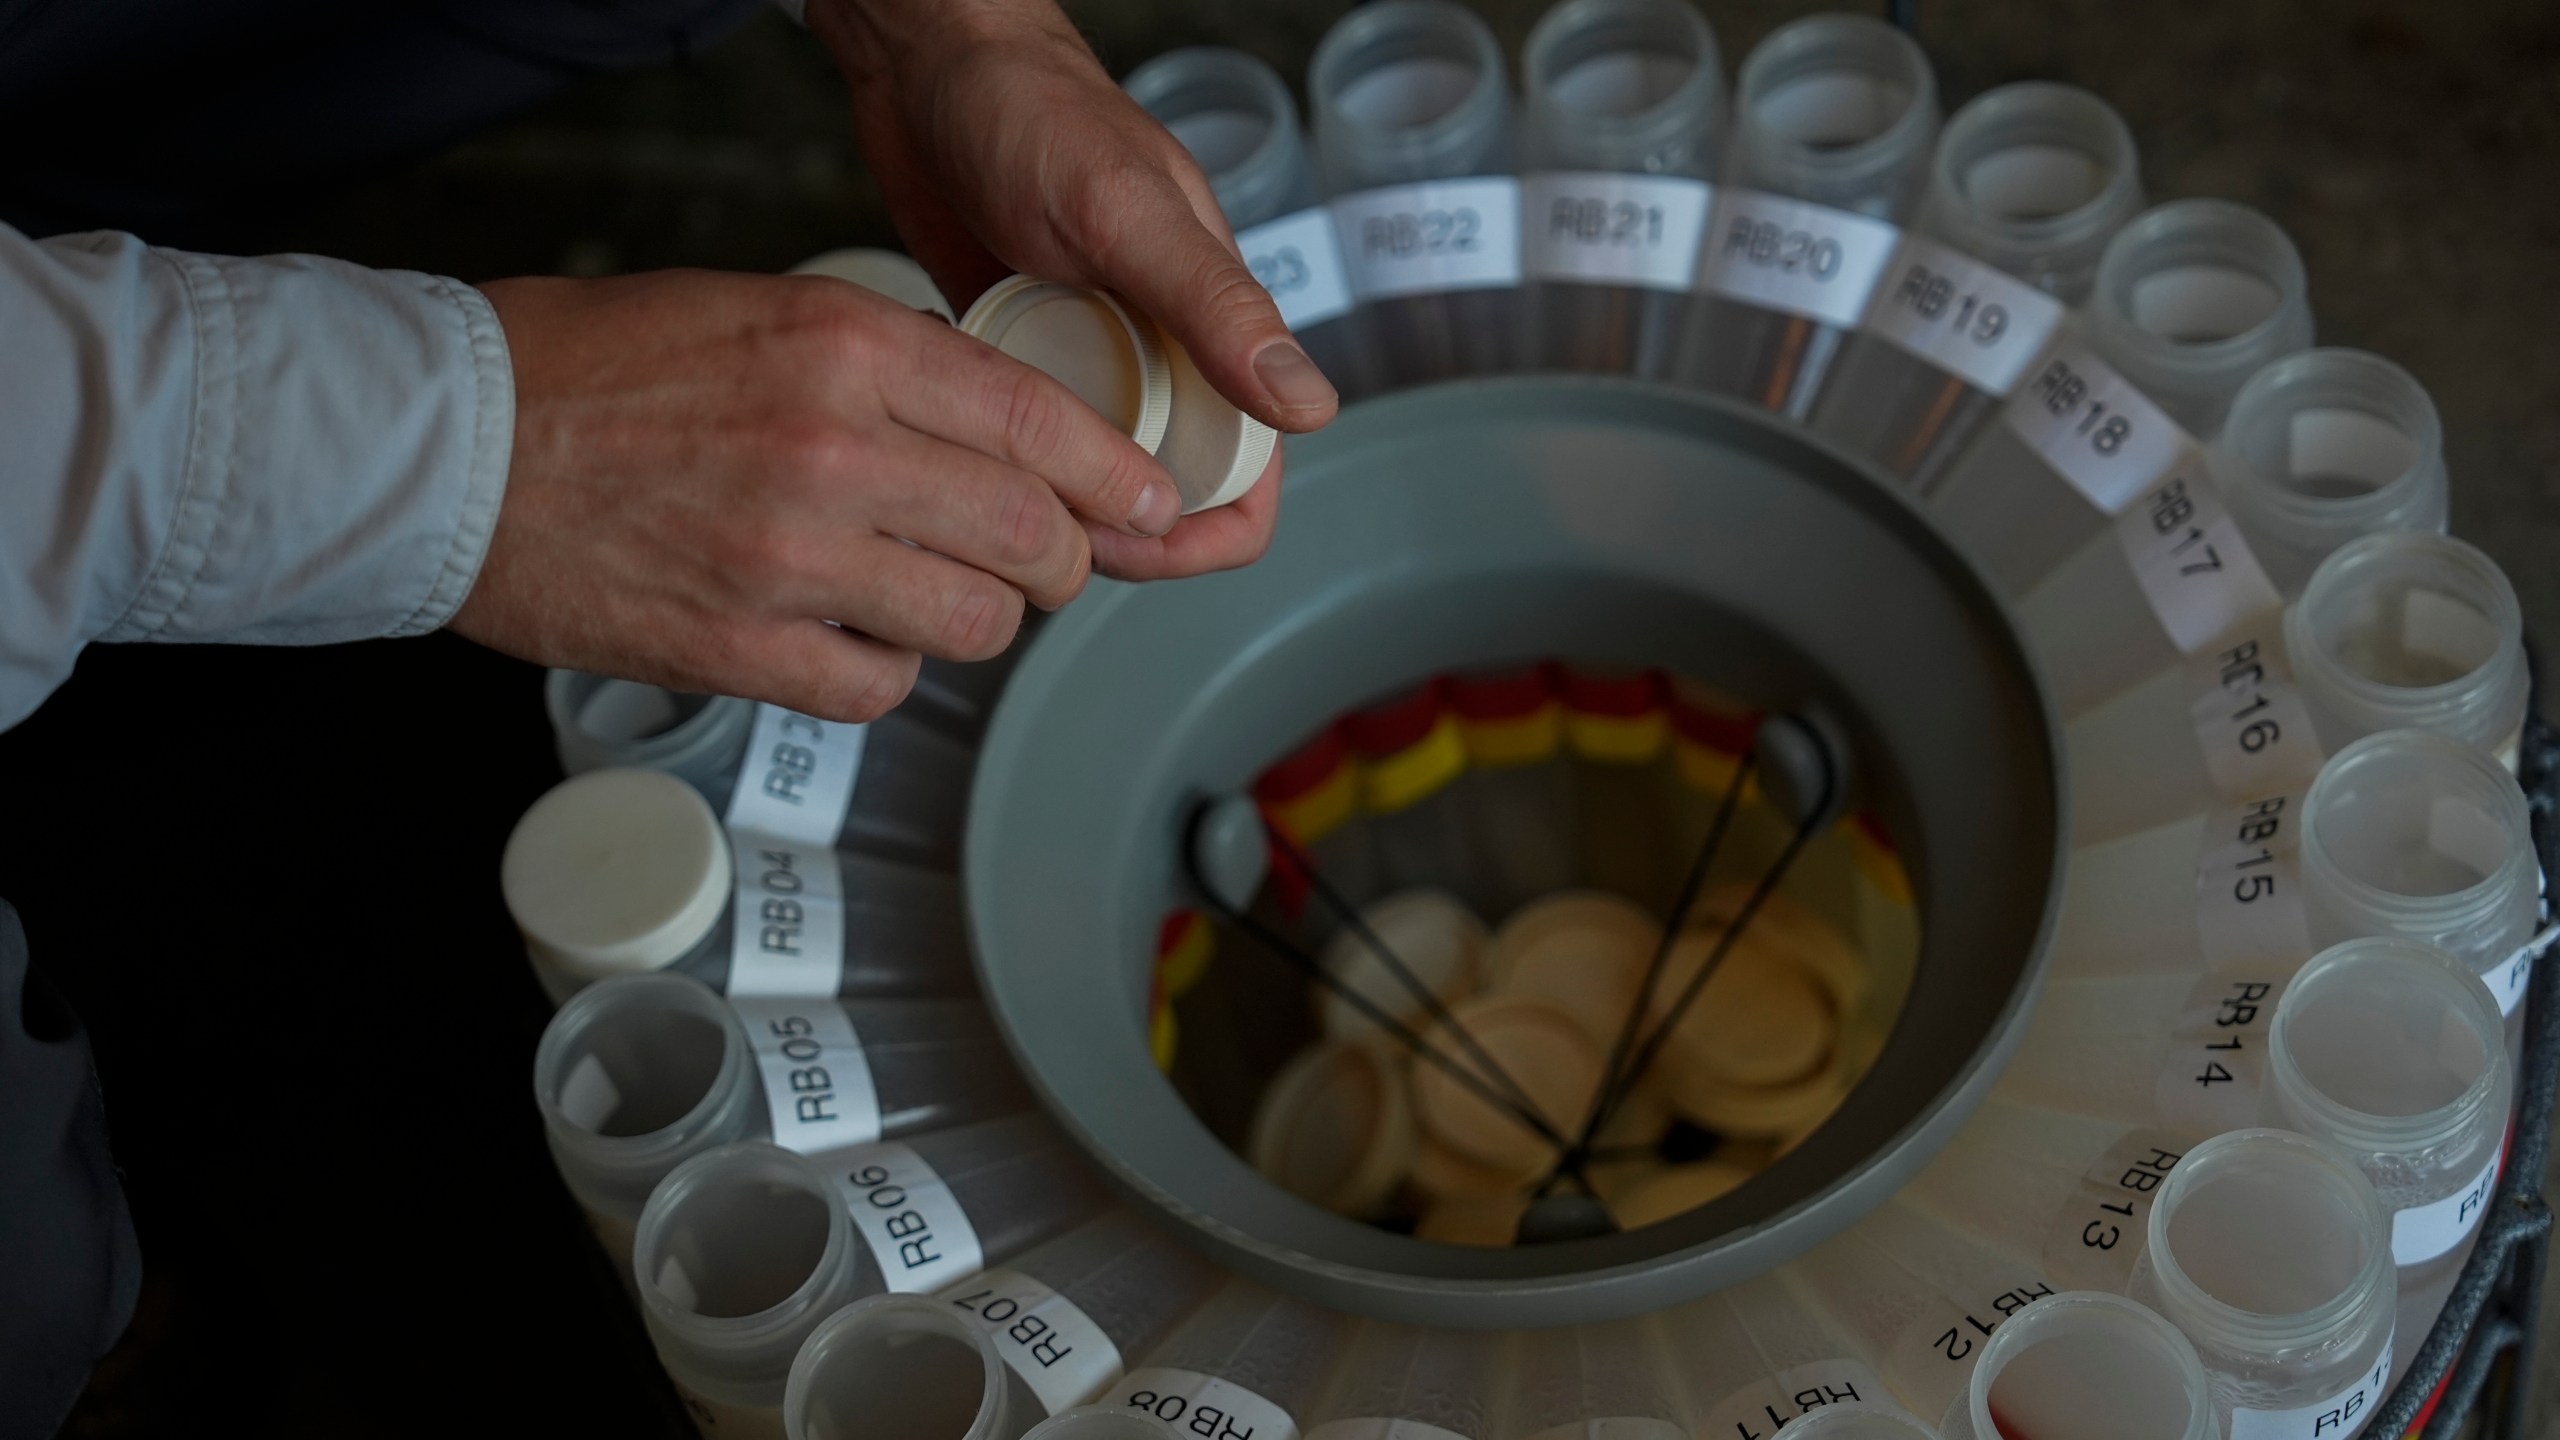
[2095,429]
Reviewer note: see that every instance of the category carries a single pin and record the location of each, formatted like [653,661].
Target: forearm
[280,451]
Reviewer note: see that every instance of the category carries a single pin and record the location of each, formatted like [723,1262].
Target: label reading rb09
[1432,237]
[1613,229]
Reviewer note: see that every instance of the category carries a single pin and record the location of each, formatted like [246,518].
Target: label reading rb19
[1962,316]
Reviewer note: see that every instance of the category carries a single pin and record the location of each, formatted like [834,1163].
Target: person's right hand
[709,468]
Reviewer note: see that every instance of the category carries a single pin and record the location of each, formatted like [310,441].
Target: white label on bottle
[2508,981]
[914,1225]
[1056,1348]
[1378,1429]
[2249,912]
[2094,428]
[1794,256]
[2423,1232]
[2335,1418]
[2217,1063]
[2192,564]
[786,927]
[1758,1409]
[1612,229]
[2099,1234]
[1929,1364]
[797,777]
[1614,1427]
[1426,238]
[1202,1405]
[817,1083]
[1299,260]
[1965,317]
[2248,714]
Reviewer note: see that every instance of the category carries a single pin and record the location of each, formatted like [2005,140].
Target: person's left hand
[1003,147]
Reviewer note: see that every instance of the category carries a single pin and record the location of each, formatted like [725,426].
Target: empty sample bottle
[1102,1422]
[641,1072]
[2404,630]
[2028,183]
[1248,1362]
[1834,117]
[1862,1422]
[2411,630]
[2085,1362]
[1056,1324]
[1622,117]
[617,872]
[902,1367]
[743,1250]
[1756,1357]
[2192,298]
[1234,114]
[1410,1384]
[1413,142]
[895,787]
[2395,1053]
[2418,835]
[1576,1381]
[2322,447]
[2272,1254]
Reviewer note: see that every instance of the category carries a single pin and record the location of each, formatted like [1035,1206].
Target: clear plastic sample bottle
[2394,1052]
[1862,1422]
[2272,1254]
[2418,835]
[1412,1384]
[895,787]
[2396,630]
[1621,122]
[2321,448]
[1057,1323]
[2192,298]
[743,1250]
[1255,1360]
[1834,118]
[619,872]
[2411,630]
[1235,115]
[1102,1422]
[2087,1363]
[641,1072]
[1413,142]
[1577,1381]
[2029,182]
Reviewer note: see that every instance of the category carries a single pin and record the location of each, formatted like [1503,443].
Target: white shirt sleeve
[280,451]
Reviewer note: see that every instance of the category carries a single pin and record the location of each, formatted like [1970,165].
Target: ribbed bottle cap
[1213,450]
[1582,951]
[616,871]
[1437,937]
[1335,1126]
[1537,1045]
[1111,356]
[884,273]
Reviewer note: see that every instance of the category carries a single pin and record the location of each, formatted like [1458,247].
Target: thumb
[1188,278]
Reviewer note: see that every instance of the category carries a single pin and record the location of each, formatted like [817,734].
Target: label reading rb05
[817,1082]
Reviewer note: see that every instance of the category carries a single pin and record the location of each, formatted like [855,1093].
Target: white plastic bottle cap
[1335,1126]
[1433,932]
[1760,1020]
[1676,1190]
[1582,951]
[1111,356]
[1492,1221]
[1539,1046]
[616,871]
[1213,451]
[884,273]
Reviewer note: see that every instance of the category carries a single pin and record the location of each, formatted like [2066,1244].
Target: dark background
[267,879]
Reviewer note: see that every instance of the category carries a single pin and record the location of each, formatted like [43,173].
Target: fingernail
[1157,509]
[1292,378]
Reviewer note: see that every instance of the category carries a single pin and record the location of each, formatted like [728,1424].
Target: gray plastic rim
[1494,521]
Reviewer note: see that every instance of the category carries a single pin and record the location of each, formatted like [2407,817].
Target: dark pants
[182,120]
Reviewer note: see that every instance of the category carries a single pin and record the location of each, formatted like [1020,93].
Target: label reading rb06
[918,1234]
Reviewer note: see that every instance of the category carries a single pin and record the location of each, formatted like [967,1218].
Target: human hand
[1003,147]
[708,468]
